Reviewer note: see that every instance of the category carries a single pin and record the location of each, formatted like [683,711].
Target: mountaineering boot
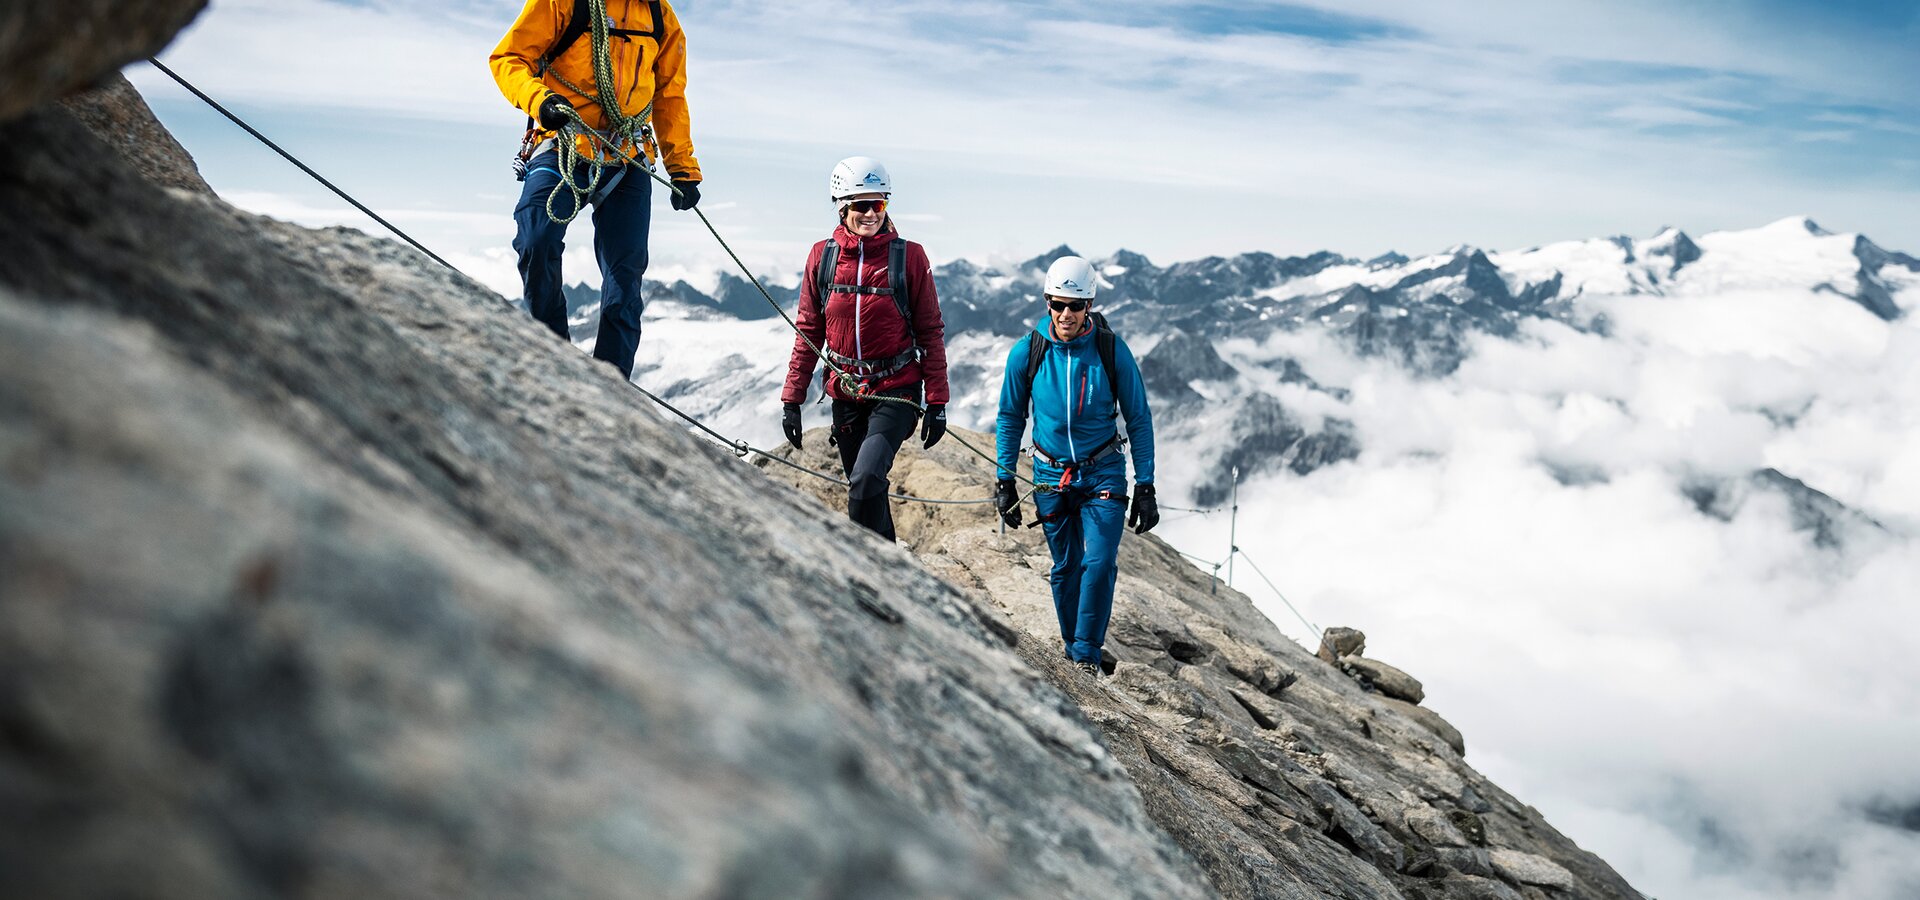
[872,512]
[1092,669]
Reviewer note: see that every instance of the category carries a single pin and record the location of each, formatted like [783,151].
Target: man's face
[1069,315]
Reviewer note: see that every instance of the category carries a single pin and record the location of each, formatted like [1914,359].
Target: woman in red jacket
[867,299]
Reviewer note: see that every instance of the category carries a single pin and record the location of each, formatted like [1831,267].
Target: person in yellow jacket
[545,66]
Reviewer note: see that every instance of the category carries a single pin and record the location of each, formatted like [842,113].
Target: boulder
[1338,642]
[51,48]
[1431,721]
[1385,678]
[1527,868]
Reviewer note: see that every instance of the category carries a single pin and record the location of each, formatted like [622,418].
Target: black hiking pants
[869,434]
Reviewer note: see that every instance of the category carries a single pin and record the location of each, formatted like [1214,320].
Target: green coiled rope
[622,129]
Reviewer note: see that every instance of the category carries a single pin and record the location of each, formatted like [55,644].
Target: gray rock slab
[1528,868]
[1386,679]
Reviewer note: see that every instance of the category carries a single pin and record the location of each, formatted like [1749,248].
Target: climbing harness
[868,371]
[1067,469]
[1071,505]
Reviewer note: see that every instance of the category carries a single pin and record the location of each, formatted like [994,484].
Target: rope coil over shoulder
[622,129]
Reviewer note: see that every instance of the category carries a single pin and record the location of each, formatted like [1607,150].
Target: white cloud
[1709,705]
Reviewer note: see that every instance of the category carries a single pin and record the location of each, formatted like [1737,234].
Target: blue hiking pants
[620,221]
[1083,534]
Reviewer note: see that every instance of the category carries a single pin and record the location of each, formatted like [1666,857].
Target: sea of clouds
[1719,708]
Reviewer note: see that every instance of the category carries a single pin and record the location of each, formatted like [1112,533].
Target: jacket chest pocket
[631,58]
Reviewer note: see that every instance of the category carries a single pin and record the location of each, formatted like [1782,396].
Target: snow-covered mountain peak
[1128,260]
[1041,262]
[1796,224]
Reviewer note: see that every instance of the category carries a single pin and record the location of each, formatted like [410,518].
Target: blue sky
[1178,130]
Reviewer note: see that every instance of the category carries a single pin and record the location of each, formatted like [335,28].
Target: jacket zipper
[859,280]
[1071,453]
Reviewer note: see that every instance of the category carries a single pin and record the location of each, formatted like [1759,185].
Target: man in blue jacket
[1078,377]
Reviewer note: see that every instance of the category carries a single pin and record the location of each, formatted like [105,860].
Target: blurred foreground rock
[51,48]
[329,574]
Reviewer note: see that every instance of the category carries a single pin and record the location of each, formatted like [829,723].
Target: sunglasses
[1067,305]
[867,206]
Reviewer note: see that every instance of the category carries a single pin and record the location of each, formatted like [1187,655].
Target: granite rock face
[119,117]
[329,574]
[51,48]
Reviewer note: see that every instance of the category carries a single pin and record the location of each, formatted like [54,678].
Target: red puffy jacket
[869,326]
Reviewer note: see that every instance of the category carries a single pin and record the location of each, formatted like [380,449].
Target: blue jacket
[1073,405]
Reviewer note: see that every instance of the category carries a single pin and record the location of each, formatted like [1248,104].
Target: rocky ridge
[1283,773]
[327,573]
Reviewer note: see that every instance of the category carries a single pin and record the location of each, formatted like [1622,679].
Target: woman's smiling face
[865,214]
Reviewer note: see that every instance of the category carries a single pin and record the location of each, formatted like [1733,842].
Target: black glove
[934,426]
[1006,499]
[686,194]
[1146,510]
[790,423]
[553,112]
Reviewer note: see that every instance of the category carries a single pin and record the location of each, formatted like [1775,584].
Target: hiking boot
[1091,668]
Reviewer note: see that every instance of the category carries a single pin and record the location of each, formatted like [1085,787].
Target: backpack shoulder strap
[576,26]
[823,273]
[657,32]
[1103,342]
[1036,354]
[897,274]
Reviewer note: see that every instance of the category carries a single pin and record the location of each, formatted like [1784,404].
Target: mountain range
[1204,329]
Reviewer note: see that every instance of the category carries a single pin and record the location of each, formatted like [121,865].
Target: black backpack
[583,20]
[1102,342]
[896,274]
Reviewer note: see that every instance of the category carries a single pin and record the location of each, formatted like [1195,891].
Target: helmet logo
[1071,284]
[872,178]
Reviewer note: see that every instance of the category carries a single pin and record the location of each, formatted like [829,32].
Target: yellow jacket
[648,67]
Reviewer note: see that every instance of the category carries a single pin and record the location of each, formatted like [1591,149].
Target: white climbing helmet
[859,175]
[1070,277]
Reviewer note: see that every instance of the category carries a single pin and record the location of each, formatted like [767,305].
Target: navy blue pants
[620,221]
[1083,535]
